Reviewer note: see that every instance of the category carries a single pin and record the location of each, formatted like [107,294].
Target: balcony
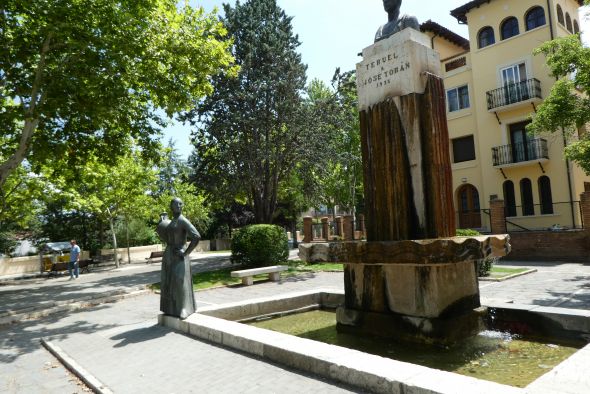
[509,95]
[513,155]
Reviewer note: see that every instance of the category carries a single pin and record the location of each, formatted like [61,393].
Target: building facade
[494,84]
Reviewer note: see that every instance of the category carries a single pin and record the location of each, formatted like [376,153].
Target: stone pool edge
[355,368]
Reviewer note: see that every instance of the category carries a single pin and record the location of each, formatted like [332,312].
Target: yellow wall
[491,128]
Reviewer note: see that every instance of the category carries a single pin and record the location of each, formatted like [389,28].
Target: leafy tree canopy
[79,77]
[567,108]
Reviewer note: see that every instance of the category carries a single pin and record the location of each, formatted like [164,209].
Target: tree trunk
[115,250]
[127,235]
[20,154]
[31,118]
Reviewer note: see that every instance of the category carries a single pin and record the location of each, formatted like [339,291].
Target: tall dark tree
[252,129]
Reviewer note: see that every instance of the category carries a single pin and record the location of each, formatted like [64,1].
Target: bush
[467,232]
[259,245]
[484,266]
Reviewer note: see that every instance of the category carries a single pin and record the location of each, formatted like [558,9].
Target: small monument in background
[412,279]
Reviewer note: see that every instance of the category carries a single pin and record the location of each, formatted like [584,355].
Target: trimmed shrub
[259,245]
[467,232]
[484,266]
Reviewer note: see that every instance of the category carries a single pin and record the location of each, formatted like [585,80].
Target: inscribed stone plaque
[395,67]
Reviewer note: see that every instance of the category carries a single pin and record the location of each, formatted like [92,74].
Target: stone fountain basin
[410,252]
[369,372]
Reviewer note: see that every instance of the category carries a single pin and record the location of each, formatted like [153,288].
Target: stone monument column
[411,279]
[404,139]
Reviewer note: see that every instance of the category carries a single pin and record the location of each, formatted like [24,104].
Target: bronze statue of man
[395,22]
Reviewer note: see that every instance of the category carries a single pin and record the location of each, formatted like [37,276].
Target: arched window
[486,37]
[576,27]
[560,15]
[509,28]
[568,22]
[545,195]
[509,198]
[535,18]
[526,197]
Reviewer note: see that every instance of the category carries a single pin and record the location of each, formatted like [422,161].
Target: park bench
[83,266]
[155,255]
[248,275]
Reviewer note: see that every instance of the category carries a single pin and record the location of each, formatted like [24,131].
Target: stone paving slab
[26,367]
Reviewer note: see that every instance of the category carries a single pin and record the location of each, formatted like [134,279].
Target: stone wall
[557,246]
[18,266]
[139,253]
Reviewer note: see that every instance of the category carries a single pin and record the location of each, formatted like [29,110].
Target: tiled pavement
[120,344]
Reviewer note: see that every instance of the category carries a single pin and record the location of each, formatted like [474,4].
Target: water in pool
[491,355]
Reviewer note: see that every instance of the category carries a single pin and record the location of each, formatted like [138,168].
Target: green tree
[252,130]
[341,182]
[567,108]
[20,199]
[78,78]
[112,191]
[171,168]
[194,204]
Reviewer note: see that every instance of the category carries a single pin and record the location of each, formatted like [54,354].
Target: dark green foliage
[253,131]
[467,232]
[140,233]
[485,266]
[7,242]
[259,245]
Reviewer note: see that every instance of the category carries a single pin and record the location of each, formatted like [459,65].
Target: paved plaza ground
[120,344]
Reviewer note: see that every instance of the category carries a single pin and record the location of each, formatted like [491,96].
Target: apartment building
[493,84]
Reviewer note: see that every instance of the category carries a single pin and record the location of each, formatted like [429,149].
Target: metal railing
[534,149]
[334,232]
[514,93]
[559,216]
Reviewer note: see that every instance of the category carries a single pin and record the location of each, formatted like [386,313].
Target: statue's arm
[193,235]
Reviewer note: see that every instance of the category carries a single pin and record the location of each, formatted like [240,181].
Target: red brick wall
[497,217]
[550,246]
[585,201]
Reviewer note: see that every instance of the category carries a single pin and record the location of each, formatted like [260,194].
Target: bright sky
[333,32]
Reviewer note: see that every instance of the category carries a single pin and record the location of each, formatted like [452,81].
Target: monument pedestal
[411,279]
[423,290]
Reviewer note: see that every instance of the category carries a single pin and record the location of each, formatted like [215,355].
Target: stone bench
[248,275]
[155,255]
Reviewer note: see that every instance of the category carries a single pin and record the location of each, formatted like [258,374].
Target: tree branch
[31,122]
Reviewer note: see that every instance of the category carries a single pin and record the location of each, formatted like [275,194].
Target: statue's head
[392,5]
[176,206]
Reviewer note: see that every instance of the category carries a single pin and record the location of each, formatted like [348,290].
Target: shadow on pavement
[20,339]
[140,335]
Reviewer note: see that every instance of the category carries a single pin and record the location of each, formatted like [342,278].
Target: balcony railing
[535,149]
[514,93]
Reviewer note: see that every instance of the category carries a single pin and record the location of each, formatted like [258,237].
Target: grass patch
[502,272]
[301,266]
[222,277]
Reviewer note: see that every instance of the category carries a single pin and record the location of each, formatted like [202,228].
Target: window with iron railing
[514,93]
[534,149]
